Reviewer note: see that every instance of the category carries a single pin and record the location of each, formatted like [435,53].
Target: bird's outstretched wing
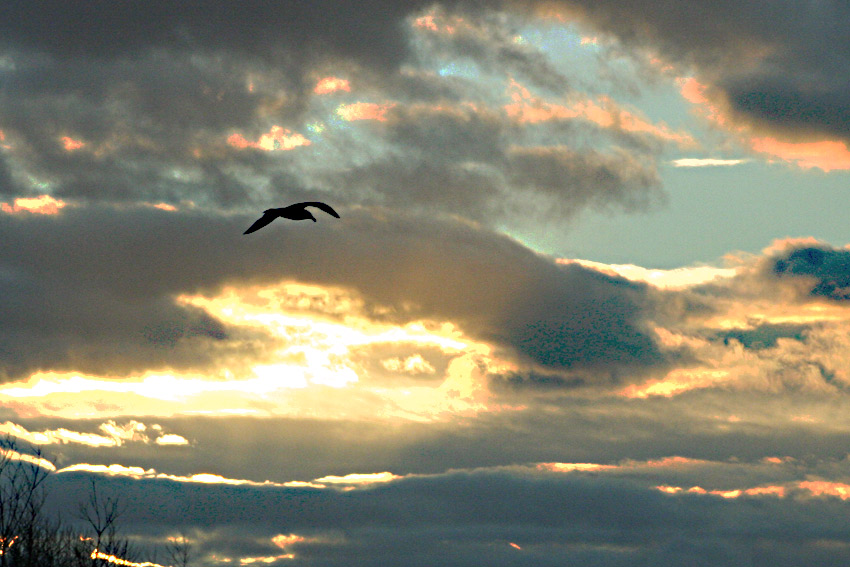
[261,222]
[322,206]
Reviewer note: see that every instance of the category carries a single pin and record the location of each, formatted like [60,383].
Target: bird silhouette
[298,211]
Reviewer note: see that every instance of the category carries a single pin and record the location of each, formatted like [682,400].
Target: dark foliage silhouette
[29,538]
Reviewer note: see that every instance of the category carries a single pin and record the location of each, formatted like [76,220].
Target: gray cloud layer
[471,516]
[828,268]
[781,65]
[155,90]
[111,276]
[100,29]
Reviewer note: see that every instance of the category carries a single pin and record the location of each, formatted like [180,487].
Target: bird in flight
[298,211]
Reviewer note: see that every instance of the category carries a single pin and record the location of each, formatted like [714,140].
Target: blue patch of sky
[709,212]
[460,68]
[593,69]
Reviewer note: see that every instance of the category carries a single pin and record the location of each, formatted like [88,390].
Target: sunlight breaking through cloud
[278,138]
[112,435]
[43,205]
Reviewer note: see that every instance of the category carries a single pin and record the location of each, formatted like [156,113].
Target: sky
[588,300]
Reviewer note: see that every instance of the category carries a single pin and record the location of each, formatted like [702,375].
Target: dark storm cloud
[781,65]
[448,133]
[764,336]
[794,269]
[444,160]
[154,88]
[791,107]
[112,274]
[152,128]
[470,517]
[575,179]
[70,324]
[488,38]
[367,30]
[601,430]
[464,506]
[152,91]
[410,183]
[7,185]
[828,268]
[146,98]
[473,162]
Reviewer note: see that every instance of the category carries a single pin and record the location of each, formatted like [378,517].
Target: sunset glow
[42,205]
[573,289]
[329,85]
[825,155]
[364,111]
[277,138]
[71,144]
[527,109]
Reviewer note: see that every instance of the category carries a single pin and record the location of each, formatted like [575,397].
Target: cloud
[346,482]
[11,454]
[525,108]
[495,405]
[413,364]
[706,162]
[775,322]
[327,85]
[118,296]
[761,60]
[827,267]
[486,37]
[156,108]
[645,510]
[470,159]
[553,326]
[570,178]
[255,30]
[112,435]
[168,116]
[43,205]
[277,139]
[171,439]
[664,279]
[358,479]
[364,111]
[827,155]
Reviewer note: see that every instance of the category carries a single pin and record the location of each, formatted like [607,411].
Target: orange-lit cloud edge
[331,84]
[364,111]
[48,205]
[277,138]
[112,435]
[526,108]
[634,469]
[283,541]
[827,155]
[315,365]
[41,205]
